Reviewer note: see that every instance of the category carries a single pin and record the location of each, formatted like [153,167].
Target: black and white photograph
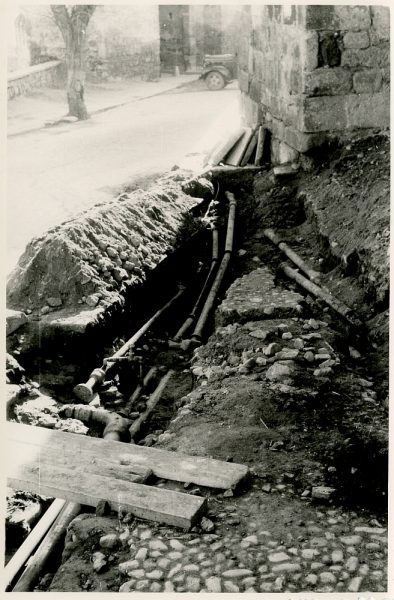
[197,245]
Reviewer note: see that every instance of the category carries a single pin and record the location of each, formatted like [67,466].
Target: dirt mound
[350,200]
[88,261]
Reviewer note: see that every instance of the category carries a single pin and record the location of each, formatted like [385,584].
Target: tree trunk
[72,22]
[76,83]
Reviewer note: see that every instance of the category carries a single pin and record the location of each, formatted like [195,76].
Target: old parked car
[218,70]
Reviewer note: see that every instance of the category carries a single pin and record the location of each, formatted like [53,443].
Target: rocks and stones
[279,372]
[14,320]
[322,492]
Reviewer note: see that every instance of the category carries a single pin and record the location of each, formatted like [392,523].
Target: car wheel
[215,81]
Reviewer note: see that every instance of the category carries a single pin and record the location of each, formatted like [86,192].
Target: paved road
[53,174]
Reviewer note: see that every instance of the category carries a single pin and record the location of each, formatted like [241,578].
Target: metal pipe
[47,546]
[193,314]
[150,405]
[31,542]
[297,260]
[329,299]
[134,396]
[84,391]
[116,426]
[222,269]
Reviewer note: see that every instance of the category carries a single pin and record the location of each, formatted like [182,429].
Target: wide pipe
[222,269]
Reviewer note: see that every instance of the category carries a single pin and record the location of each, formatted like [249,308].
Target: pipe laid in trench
[297,260]
[60,513]
[193,314]
[197,333]
[84,391]
[54,536]
[150,405]
[31,542]
[318,292]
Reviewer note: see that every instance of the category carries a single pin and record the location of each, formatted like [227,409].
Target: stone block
[249,110]
[374,56]
[295,85]
[302,141]
[243,81]
[368,110]
[328,82]
[356,39]
[324,113]
[353,18]
[366,82]
[311,52]
[282,153]
[320,17]
[14,320]
[381,22]
[255,89]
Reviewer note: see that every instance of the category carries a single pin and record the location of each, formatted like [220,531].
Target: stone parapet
[49,74]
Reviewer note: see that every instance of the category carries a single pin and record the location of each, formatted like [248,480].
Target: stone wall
[50,74]
[124,42]
[314,72]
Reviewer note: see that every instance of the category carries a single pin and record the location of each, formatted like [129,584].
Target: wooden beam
[164,464]
[236,154]
[29,473]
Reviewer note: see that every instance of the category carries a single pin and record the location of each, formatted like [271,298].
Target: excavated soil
[254,395]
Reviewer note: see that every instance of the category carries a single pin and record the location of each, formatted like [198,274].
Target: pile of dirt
[89,261]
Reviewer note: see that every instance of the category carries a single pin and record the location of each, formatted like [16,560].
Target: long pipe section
[297,260]
[193,314]
[150,405]
[222,269]
[47,547]
[31,542]
[84,391]
[329,299]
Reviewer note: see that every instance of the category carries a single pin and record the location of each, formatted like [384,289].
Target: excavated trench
[329,433]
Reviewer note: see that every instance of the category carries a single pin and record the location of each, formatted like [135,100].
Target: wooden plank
[260,145]
[249,150]
[164,464]
[87,462]
[235,155]
[224,146]
[28,473]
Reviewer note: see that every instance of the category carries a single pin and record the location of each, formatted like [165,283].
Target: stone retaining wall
[49,74]
[314,72]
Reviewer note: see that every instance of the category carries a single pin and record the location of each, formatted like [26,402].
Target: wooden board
[235,155]
[249,150]
[164,464]
[75,484]
[224,146]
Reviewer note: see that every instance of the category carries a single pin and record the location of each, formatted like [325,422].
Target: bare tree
[73,21]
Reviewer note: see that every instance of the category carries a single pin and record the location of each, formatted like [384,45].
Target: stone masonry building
[313,73]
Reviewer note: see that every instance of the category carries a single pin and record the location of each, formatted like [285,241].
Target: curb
[100,110]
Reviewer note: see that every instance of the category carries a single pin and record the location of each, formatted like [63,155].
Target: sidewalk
[28,113]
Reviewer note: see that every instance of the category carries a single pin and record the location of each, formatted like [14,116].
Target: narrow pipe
[193,314]
[31,542]
[222,269]
[150,405]
[115,425]
[84,391]
[329,299]
[260,145]
[134,396]
[297,260]
[46,548]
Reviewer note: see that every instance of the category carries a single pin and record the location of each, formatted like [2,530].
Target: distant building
[128,41]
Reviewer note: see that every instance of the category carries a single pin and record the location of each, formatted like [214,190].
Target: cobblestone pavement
[337,552]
